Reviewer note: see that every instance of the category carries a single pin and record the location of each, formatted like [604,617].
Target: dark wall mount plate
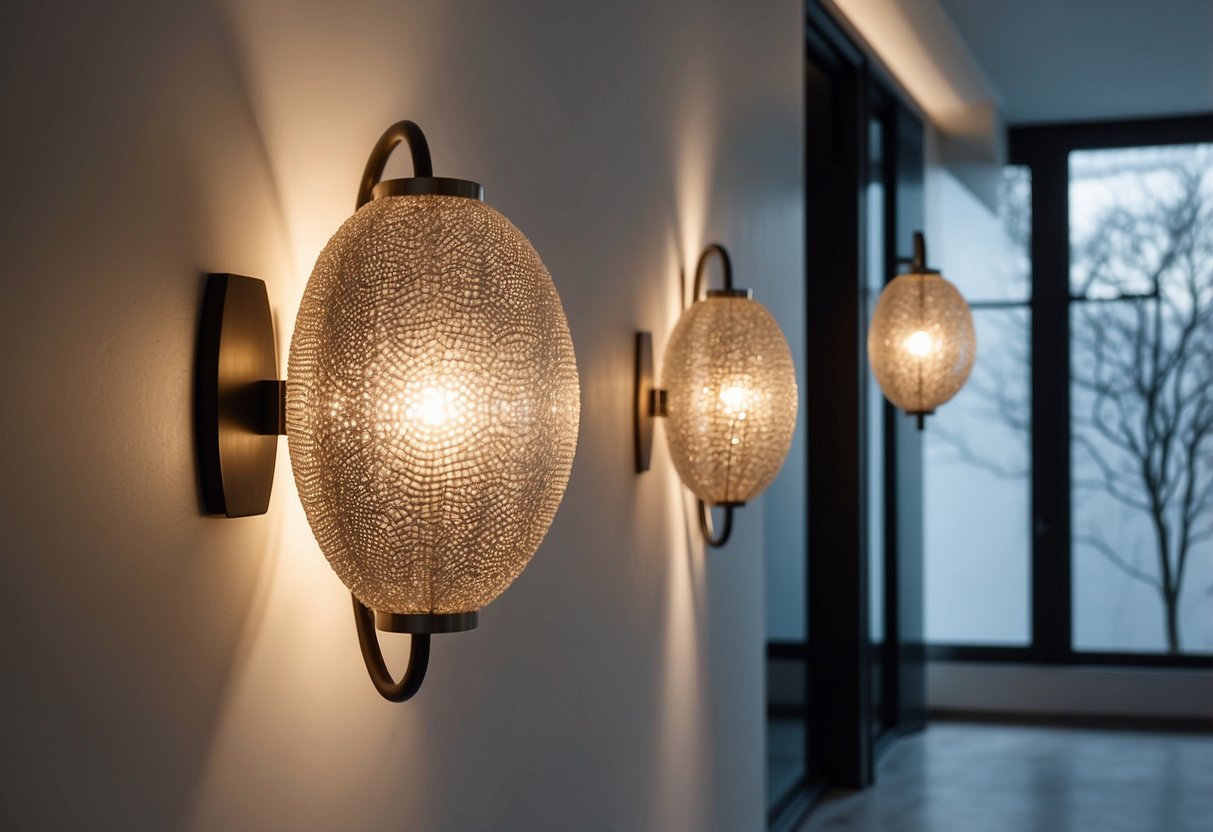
[643,392]
[238,399]
[649,401]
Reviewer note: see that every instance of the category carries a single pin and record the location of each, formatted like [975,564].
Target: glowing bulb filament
[920,344]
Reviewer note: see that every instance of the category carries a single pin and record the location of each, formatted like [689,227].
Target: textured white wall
[163,669]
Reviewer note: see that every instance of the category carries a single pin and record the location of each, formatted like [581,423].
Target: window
[977,489]
[1077,466]
[1141,392]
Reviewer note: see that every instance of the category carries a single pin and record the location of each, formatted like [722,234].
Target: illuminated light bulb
[919,344]
[920,315]
[734,398]
[434,407]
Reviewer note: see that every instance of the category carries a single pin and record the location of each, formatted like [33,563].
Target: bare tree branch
[1114,557]
[1141,365]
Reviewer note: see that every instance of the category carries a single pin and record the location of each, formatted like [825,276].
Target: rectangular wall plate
[648,401]
[237,396]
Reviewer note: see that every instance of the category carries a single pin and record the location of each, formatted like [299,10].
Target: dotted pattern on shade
[432,403]
[921,343]
[731,398]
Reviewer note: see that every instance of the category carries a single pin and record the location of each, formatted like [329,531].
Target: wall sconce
[431,404]
[729,397]
[921,342]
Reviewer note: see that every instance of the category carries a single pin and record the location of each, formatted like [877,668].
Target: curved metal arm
[726,263]
[372,656]
[705,524]
[919,263]
[419,149]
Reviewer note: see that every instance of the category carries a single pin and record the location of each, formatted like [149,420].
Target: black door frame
[841,738]
[839,650]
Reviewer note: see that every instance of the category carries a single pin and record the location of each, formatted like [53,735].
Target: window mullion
[1051,520]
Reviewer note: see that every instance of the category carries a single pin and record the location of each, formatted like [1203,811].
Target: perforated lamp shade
[921,342]
[432,403]
[731,398]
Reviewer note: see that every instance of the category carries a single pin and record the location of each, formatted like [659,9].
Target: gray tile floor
[983,778]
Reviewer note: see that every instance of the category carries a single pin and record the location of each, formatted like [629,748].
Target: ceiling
[1070,60]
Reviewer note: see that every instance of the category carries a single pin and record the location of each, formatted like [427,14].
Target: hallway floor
[959,777]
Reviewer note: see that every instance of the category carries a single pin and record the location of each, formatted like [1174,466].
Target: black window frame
[1045,150]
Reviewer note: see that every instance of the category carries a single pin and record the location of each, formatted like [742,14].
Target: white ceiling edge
[920,46]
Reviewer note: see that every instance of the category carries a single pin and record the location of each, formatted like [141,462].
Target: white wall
[169,670]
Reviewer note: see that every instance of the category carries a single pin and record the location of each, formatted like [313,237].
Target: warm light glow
[731,392]
[919,344]
[434,407]
[920,315]
[432,403]
[735,397]
[922,48]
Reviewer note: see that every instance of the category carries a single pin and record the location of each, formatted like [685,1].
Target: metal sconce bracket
[649,401]
[707,528]
[917,263]
[726,265]
[238,399]
[372,657]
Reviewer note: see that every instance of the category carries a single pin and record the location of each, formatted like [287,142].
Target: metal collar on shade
[450,622]
[422,182]
[429,185]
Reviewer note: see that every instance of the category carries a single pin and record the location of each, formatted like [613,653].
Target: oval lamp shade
[732,400]
[921,342]
[432,403]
